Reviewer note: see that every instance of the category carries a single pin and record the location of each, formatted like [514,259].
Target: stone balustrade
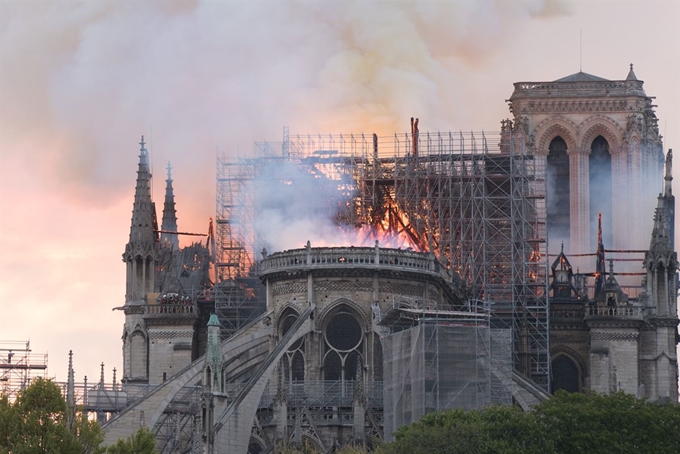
[351,257]
[180,308]
[601,88]
[624,311]
[567,314]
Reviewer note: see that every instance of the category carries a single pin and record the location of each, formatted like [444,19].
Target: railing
[616,311]
[185,308]
[586,88]
[351,257]
[571,314]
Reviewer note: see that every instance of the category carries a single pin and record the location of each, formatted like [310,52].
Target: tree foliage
[37,423]
[141,442]
[565,424]
[618,423]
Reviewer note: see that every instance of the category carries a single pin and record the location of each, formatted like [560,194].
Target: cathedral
[609,284]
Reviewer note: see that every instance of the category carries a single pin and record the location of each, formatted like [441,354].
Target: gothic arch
[295,306]
[288,307]
[600,125]
[313,440]
[571,354]
[344,328]
[566,353]
[552,127]
[358,311]
[257,444]
[138,354]
[293,361]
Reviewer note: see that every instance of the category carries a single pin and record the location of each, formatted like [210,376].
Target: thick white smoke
[82,80]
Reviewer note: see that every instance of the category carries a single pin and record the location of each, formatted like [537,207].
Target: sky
[81,81]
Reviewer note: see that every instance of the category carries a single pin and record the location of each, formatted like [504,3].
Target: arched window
[600,165]
[138,365]
[343,339]
[293,362]
[558,192]
[565,375]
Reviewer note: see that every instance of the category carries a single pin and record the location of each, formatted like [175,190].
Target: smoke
[293,206]
[81,81]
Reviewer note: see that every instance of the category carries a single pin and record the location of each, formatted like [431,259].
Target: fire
[393,229]
[534,257]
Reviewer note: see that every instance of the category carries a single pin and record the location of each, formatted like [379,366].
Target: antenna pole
[580,50]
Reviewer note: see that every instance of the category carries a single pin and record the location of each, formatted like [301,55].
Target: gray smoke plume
[81,81]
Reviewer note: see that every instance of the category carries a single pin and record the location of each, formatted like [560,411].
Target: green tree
[567,423]
[140,442]
[37,421]
[8,423]
[615,423]
[89,434]
[492,430]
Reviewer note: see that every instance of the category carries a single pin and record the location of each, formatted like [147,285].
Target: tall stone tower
[160,309]
[600,143]
[659,358]
[140,260]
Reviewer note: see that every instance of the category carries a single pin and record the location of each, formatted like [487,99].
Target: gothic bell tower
[599,142]
[140,261]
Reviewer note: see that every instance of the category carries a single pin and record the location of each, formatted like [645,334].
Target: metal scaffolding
[19,366]
[481,211]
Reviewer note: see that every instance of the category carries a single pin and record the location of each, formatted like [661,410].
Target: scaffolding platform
[477,201]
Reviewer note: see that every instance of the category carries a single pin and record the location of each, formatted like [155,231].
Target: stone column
[579,199]
[636,191]
[620,198]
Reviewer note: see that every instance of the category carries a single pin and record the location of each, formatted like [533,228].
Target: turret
[169,222]
[661,264]
[660,361]
[140,252]
[669,198]
[563,277]
[140,259]
[212,371]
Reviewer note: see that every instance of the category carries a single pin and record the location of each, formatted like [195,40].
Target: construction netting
[438,365]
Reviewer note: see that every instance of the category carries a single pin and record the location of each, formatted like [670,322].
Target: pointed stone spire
[140,252]
[143,211]
[169,223]
[212,370]
[70,394]
[661,240]
[631,74]
[669,198]
[668,177]
[662,234]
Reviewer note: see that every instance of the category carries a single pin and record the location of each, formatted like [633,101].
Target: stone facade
[160,330]
[577,125]
[329,384]
[610,342]
[326,388]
